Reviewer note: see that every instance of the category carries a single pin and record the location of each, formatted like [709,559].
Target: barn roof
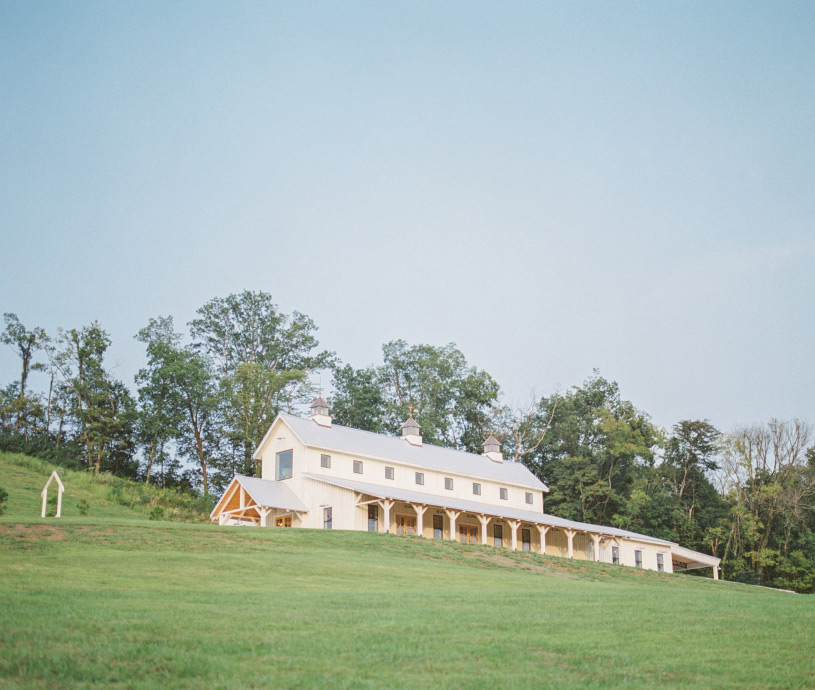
[366,443]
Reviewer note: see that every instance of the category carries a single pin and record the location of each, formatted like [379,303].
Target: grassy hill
[113,600]
[106,496]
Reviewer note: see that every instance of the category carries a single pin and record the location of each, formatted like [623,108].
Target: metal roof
[269,494]
[356,442]
[410,496]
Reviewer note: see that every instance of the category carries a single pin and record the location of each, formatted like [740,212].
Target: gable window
[660,563]
[325,461]
[357,466]
[497,535]
[638,558]
[503,493]
[448,483]
[328,515]
[529,497]
[283,465]
[389,473]
[476,489]
[615,555]
[420,477]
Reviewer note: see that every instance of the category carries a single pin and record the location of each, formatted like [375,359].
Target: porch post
[570,536]
[513,525]
[484,520]
[453,515]
[420,511]
[242,498]
[222,519]
[543,529]
[264,516]
[596,539]
[386,505]
[715,572]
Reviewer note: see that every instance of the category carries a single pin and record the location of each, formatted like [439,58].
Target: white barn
[324,476]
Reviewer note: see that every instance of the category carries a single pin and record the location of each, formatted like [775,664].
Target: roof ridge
[388,436]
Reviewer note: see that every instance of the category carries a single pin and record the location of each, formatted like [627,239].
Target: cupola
[320,412]
[492,449]
[410,432]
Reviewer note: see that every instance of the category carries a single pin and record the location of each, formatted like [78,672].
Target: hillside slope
[108,602]
[106,496]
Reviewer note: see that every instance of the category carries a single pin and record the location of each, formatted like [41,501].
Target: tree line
[205,398]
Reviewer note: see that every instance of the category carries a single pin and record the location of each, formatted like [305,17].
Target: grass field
[113,600]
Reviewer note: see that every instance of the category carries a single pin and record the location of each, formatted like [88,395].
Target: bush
[83,506]
[3,499]
[157,513]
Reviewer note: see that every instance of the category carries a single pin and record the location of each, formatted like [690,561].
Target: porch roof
[691,560]
[409,496]
[265,494]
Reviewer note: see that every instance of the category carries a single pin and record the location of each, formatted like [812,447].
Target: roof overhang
[506,513]
[685,559]
[246,496]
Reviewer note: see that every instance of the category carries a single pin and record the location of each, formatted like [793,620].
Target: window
[389,473]
[476,489]
[615,555]
[503,493]
[283,521]
[525,539]
[357,466]
[660,563]
[420,477]
[448,483]
[498,533]
[283,463]
[327,515]
[325,461]
[529,497]
[438,527]
[373,518]
[638,559]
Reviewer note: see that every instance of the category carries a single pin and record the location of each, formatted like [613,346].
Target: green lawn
[108,601]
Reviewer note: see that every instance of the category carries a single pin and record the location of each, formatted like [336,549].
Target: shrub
[157,513]
[3,499]
[83,506]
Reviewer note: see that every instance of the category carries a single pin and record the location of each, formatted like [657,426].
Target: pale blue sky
[554,187]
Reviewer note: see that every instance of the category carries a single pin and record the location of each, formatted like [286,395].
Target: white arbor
[60,489]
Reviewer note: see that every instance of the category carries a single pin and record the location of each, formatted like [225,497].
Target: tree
[101,407]
[160,410]
[593,451]
[180,398]
[263,358]
[453,402]
[26,344]
[358,400]
[768,480]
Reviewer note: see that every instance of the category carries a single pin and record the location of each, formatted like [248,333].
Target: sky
[555,187]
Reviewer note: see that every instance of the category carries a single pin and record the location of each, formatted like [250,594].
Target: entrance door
[373,518]
[405,524]
[525,540]
[283,521]
[498,535]
[469,534]
[438,527]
